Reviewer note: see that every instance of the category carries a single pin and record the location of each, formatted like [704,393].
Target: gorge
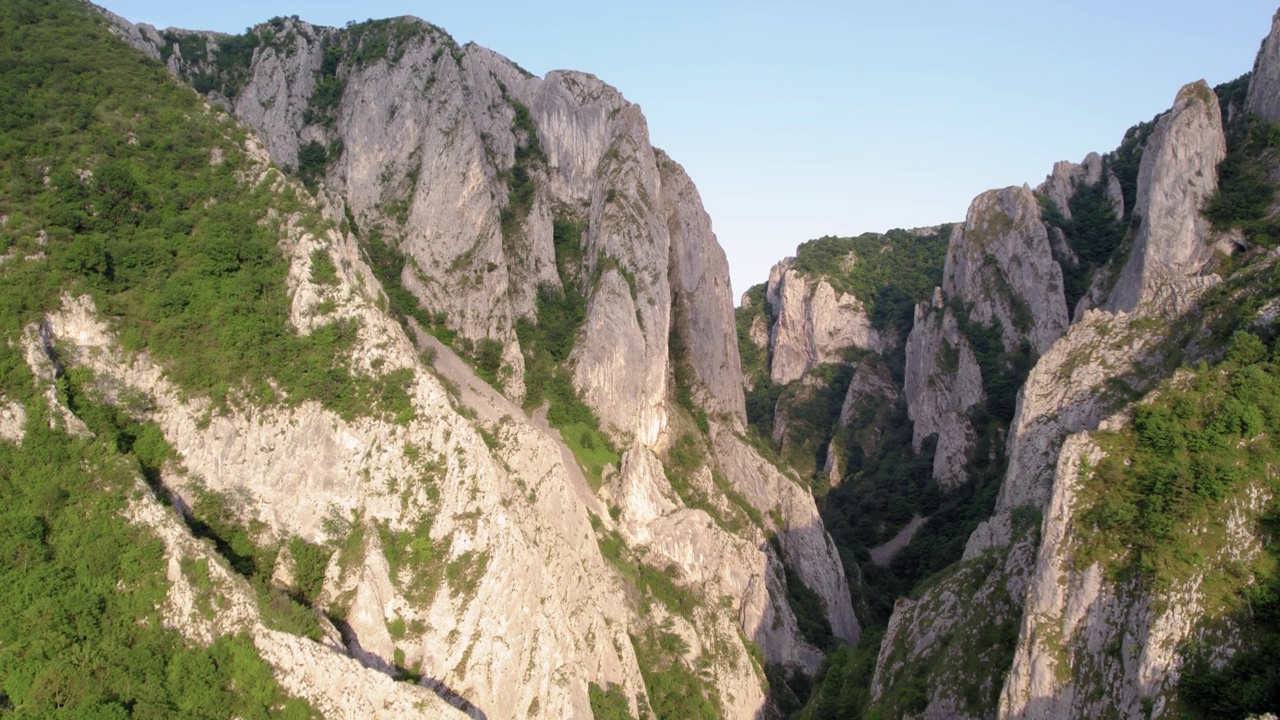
[353,372]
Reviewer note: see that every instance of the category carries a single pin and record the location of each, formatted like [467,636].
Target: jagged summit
[1177,176]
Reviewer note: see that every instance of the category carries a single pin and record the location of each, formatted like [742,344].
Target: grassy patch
[674,690]
[1168,473]
[417,562]
[608,704]
[548,342]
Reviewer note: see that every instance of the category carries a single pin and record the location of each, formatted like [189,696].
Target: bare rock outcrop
[462,161]
[871,395]
[1000,265]
[701,292]
[1264,82]
[1178,173]
[689,542]
[322,673]
[522,569]
[815,323]
[13,421]
[1068,177]
[805,543]
[942,383]
[1000,273]
[1070,389]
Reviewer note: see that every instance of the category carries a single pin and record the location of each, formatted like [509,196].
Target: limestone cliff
[1070,389]
[943,382]
[1264,83]
[702,296]
[1177,175]
[541,582]
[1024,586]
[814,325]
[462,161]
[1004,392]
[1000,274]
[1068,177]
[1000,266]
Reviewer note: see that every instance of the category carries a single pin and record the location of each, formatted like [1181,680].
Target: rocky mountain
[1029,546]
[352,372]
[436,366]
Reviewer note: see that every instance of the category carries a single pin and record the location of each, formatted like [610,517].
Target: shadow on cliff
[789,682]
[373,662]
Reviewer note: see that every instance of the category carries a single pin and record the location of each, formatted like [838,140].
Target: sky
[838,118]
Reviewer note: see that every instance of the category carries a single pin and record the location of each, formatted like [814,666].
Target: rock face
[805,544]
[1264,83]
[1067,177]
[1069,390]
[462,161]
[1000,265]
[701,292]
[473,169]
[1061,186]
[999,273]
[814,325]
[942,383]
[1177,175]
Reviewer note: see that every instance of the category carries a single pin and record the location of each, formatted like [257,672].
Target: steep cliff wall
[1081,378]
[1000,266]
[701,293]
[1000,277]
[468,167]
[461,161]
[814,324]
[943,382]
[1179,172]
[1264,83]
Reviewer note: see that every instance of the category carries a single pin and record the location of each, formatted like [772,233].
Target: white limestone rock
[805,543]
[1067,177]
[1264,83]
[1178,173]
[1000,265]
[700,286]
[13,421]
[942,382]
[815,323]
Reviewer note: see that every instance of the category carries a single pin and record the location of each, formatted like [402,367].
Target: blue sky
[840,117]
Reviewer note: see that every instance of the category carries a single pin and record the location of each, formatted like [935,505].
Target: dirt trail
[883,554]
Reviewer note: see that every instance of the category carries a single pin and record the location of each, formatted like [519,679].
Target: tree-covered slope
[109,189]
